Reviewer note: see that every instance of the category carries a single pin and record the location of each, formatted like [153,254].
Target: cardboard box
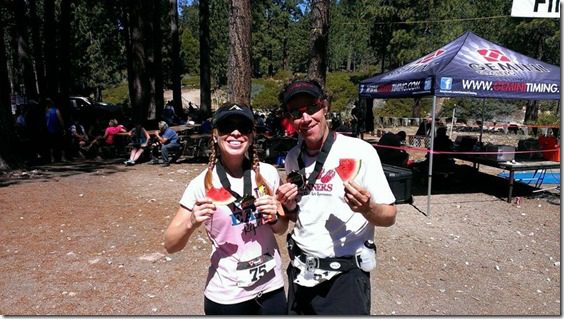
[500,153]
[399,179]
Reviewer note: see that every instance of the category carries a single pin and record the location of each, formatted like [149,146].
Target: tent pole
[452,121]
[430,177]
[482,125]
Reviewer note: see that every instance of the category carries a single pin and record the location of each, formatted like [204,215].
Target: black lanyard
[320,160]
[247,185]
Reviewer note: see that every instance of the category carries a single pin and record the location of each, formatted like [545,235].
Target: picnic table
[197,145]
[539,167]
[185,129]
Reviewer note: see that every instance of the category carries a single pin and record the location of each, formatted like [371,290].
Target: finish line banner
[536,8]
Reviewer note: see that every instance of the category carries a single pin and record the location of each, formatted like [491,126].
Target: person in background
[245,274]
[206,126]
[105,144]
[55,130]
[369,119]
[402,137]
[288,128]
[169,142]
[443,162]
[139,141]
[331,245]
[389,150]
[79,138]
[424,128]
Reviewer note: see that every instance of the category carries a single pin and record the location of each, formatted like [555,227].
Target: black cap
[301,87]
[232,109]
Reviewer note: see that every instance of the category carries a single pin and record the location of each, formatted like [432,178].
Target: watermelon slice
[220,196]
[348,168]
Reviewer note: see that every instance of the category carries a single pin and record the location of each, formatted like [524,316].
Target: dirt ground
[86,238]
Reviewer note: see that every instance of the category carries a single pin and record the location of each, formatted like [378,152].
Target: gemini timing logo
[417,66]
[498,64]
[493,55]
[429,57]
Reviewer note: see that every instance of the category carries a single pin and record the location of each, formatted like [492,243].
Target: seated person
[206,126]
[107,141]
[168,140]
[79,138]
[393,155]
[443,143]
[402,137]
[441,162]
[424,127]
[139,140]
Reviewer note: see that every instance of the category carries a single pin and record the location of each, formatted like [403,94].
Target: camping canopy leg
[430,177]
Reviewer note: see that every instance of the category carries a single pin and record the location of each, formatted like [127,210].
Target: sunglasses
[311,109]
[227,127]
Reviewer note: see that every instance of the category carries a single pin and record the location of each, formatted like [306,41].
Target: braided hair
[251,156]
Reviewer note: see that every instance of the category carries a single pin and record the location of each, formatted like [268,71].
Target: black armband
[293,211]
[274,221]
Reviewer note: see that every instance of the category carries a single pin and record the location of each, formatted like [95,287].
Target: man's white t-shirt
[326,226]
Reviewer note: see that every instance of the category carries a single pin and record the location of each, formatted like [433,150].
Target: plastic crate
[400,180]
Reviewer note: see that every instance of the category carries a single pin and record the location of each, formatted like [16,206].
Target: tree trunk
[65,48]
[416,111]
[37,49]
[8,158]
[139,93]
[319,41]
[157,99]
[24,56]
[205,75]
[285,49]
[126,17]
[49,33]
[175,57]
[239,63]
[531,111]
[349,61]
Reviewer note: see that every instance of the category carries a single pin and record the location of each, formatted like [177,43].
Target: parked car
[94,115]
[82,104]
[88,110]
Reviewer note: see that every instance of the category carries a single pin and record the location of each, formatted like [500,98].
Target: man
[55,131]
[169,142]
[334,218]
[389,150]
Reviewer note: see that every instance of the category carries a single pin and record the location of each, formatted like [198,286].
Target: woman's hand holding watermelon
[185,222]
[203,210]
[267,206]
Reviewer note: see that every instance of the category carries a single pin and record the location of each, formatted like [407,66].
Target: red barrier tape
[425,150]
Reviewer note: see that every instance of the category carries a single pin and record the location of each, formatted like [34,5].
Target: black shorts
[269,304]
[345,294]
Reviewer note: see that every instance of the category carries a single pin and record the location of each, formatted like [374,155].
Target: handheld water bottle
[365,256]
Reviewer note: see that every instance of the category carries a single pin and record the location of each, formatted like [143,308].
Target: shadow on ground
[60,170]
[468,180]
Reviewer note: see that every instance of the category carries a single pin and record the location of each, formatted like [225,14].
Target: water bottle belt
[331,264]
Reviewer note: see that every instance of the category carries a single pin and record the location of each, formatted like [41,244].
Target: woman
[245,275]
[113,129]
[139,140]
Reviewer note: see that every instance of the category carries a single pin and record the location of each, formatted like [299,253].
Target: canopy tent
[469,66]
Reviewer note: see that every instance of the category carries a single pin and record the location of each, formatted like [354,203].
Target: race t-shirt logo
[493,55]
[429,57]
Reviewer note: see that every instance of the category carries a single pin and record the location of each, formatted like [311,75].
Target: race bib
[249,272]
